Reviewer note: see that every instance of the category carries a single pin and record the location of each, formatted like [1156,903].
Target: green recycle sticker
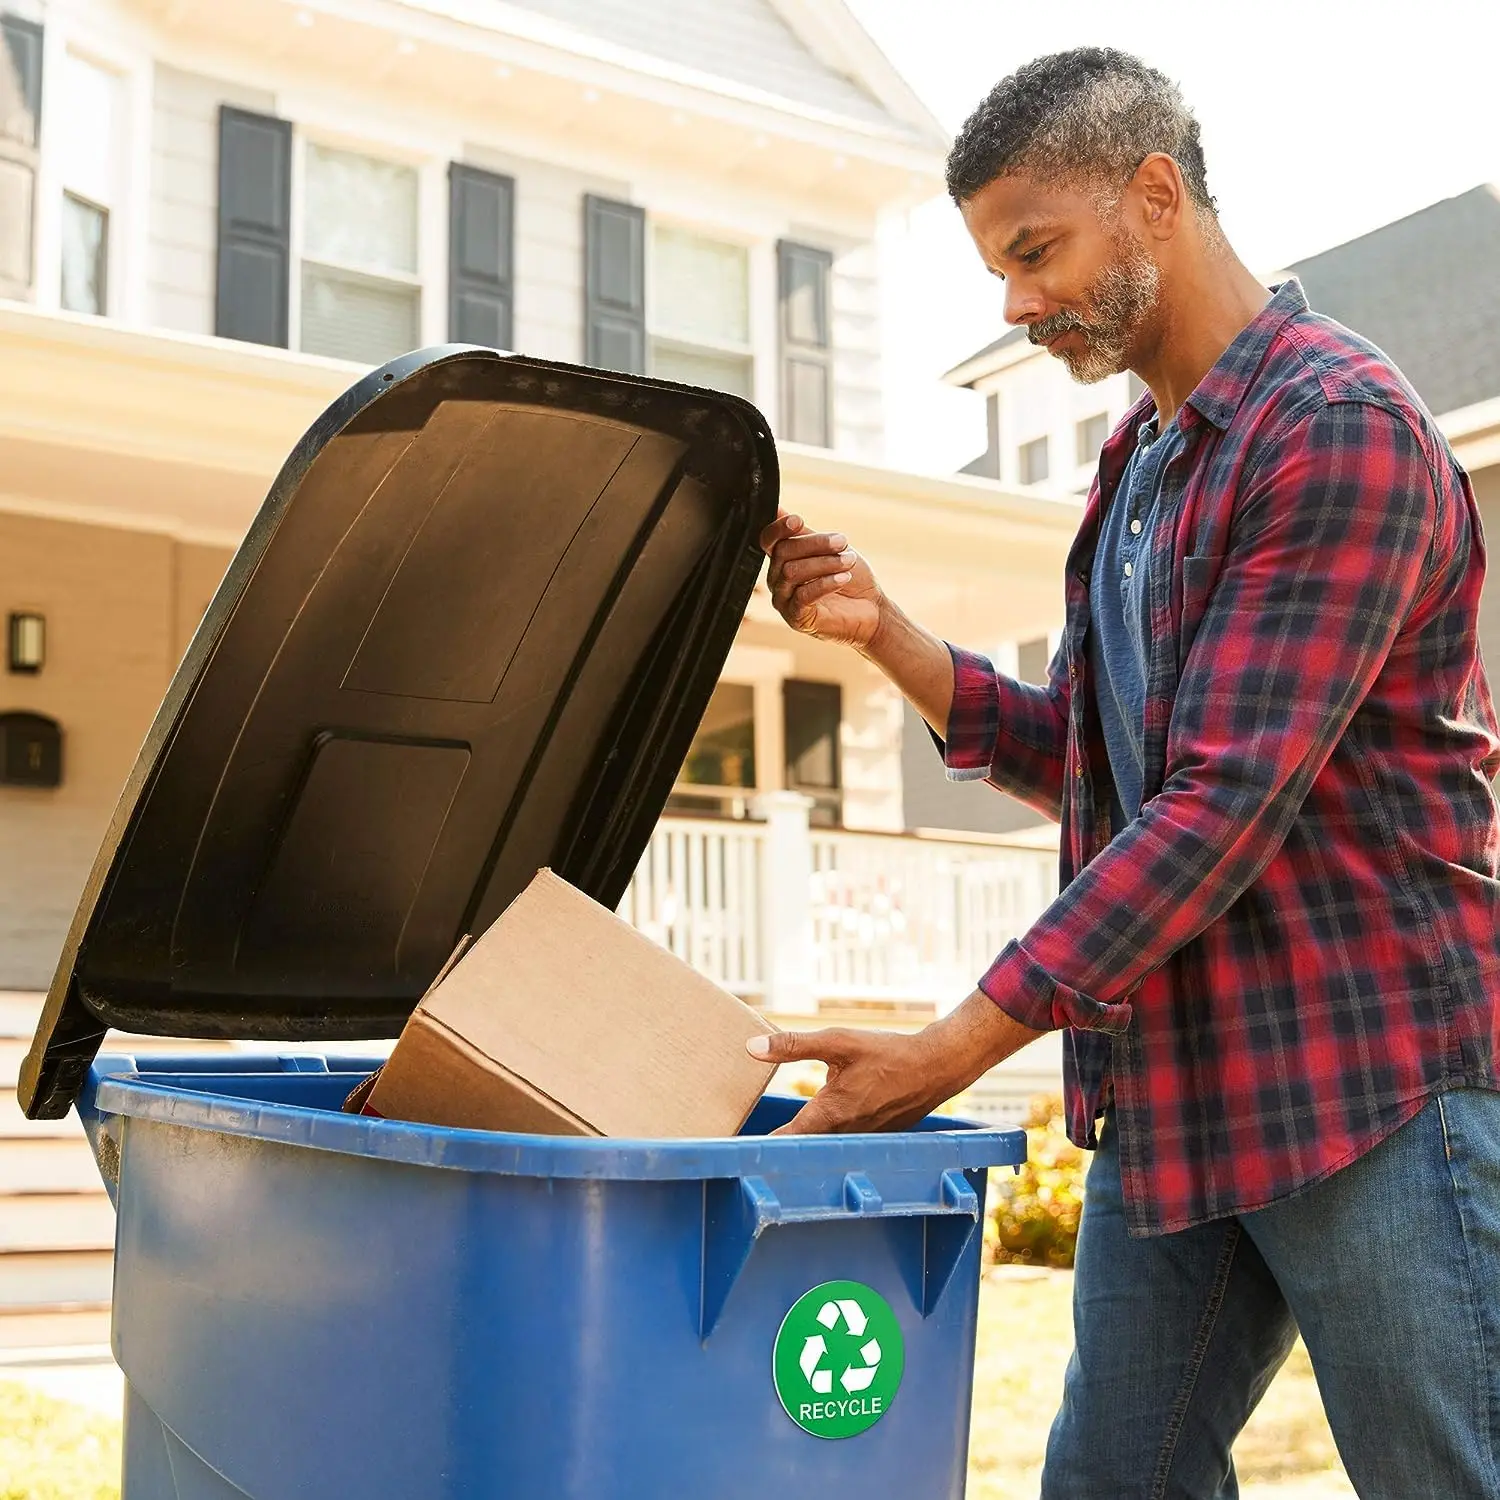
[838,1359]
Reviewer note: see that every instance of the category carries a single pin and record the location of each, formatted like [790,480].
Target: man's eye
[1033,257]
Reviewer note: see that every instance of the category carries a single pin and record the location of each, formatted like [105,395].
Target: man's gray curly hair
[1090,116]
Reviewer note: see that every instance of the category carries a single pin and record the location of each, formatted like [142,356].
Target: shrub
[1033,1215]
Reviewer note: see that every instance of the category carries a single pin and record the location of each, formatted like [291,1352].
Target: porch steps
[57,1228]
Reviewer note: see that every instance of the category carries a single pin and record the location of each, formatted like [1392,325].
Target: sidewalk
[85,1375]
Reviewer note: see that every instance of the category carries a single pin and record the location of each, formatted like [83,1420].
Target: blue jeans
[1390,1268]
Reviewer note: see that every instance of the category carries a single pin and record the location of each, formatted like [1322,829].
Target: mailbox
[30,750]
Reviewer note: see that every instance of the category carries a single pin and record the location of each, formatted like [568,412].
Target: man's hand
[881,1080]
[820,585]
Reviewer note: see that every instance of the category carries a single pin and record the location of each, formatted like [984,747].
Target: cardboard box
[564,1020]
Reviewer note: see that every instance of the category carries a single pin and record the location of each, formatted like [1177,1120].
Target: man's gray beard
[1122,295]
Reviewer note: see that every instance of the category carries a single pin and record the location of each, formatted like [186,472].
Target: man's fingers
[805,569]
[785,525]
[811,544]
[789,591]
[802,599]
[829,1046]
[807,1121]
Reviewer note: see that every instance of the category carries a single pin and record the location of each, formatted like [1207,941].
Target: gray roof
[1013,336]
[745,41]
[1426,290]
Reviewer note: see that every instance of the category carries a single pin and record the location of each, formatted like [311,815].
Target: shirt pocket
[1199,574]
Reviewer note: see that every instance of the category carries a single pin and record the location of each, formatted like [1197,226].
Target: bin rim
[137,1088]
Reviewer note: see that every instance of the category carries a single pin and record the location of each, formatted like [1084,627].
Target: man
[1268,739]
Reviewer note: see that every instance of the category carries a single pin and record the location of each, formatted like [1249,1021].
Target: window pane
[723,751]
[1032,660]
[360,211]
[357,317]
[1091,435]
[89,141]
[718,372]
[85,246]
[700,289]
[813,711]
[1033,457]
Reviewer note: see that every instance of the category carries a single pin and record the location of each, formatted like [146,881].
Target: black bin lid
[470,633]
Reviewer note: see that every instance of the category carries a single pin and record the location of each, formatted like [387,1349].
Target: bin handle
[738,1210]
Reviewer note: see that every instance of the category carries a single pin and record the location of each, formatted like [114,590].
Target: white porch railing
[905,918]
[790,915]
[697,892]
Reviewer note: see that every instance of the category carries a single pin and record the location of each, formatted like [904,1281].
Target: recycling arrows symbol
[815,1348]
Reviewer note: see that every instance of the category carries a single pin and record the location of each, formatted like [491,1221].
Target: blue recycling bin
[311,1304]
[471,634]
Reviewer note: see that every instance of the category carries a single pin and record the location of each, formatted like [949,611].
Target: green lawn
[52,1451]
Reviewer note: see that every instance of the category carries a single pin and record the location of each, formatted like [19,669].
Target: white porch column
[786,904]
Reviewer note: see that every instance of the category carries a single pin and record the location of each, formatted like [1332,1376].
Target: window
[361,297]
[718,775]
[1092,432]
[1032,660]
[90,180]
[813,713]
[699,311]
[1032,460]
[85,255]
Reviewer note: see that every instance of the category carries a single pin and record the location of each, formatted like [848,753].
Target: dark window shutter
[805,276]
[20,122]
[481,236]
[614,285]
[255,217]
[20,80]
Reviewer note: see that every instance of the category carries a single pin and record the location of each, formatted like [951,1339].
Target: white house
[213,216]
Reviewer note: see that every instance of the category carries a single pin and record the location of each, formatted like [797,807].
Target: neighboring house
[1426,289]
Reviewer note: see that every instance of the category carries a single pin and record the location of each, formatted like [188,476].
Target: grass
[50,1450]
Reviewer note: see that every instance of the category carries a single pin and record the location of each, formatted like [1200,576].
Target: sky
[1321,119]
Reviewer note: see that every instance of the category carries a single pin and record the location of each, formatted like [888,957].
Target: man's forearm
[917,662]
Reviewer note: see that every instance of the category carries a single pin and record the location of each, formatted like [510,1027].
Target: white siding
[858,411]
[185,195]
[549,250]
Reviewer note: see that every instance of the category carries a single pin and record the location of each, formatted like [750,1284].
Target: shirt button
[1135,527]
[1129,569]
[1078,772]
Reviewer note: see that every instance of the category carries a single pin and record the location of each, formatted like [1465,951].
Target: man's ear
[1160,196]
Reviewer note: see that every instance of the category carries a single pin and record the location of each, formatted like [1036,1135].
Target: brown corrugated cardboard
[564,1020]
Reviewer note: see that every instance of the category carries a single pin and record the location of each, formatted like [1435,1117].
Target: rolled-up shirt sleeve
[1011,734]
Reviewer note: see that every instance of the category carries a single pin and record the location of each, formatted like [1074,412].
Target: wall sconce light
[27,643]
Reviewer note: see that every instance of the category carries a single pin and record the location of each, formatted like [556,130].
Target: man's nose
[1022,304]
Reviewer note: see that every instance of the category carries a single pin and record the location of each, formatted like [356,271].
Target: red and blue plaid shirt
[1294,944]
